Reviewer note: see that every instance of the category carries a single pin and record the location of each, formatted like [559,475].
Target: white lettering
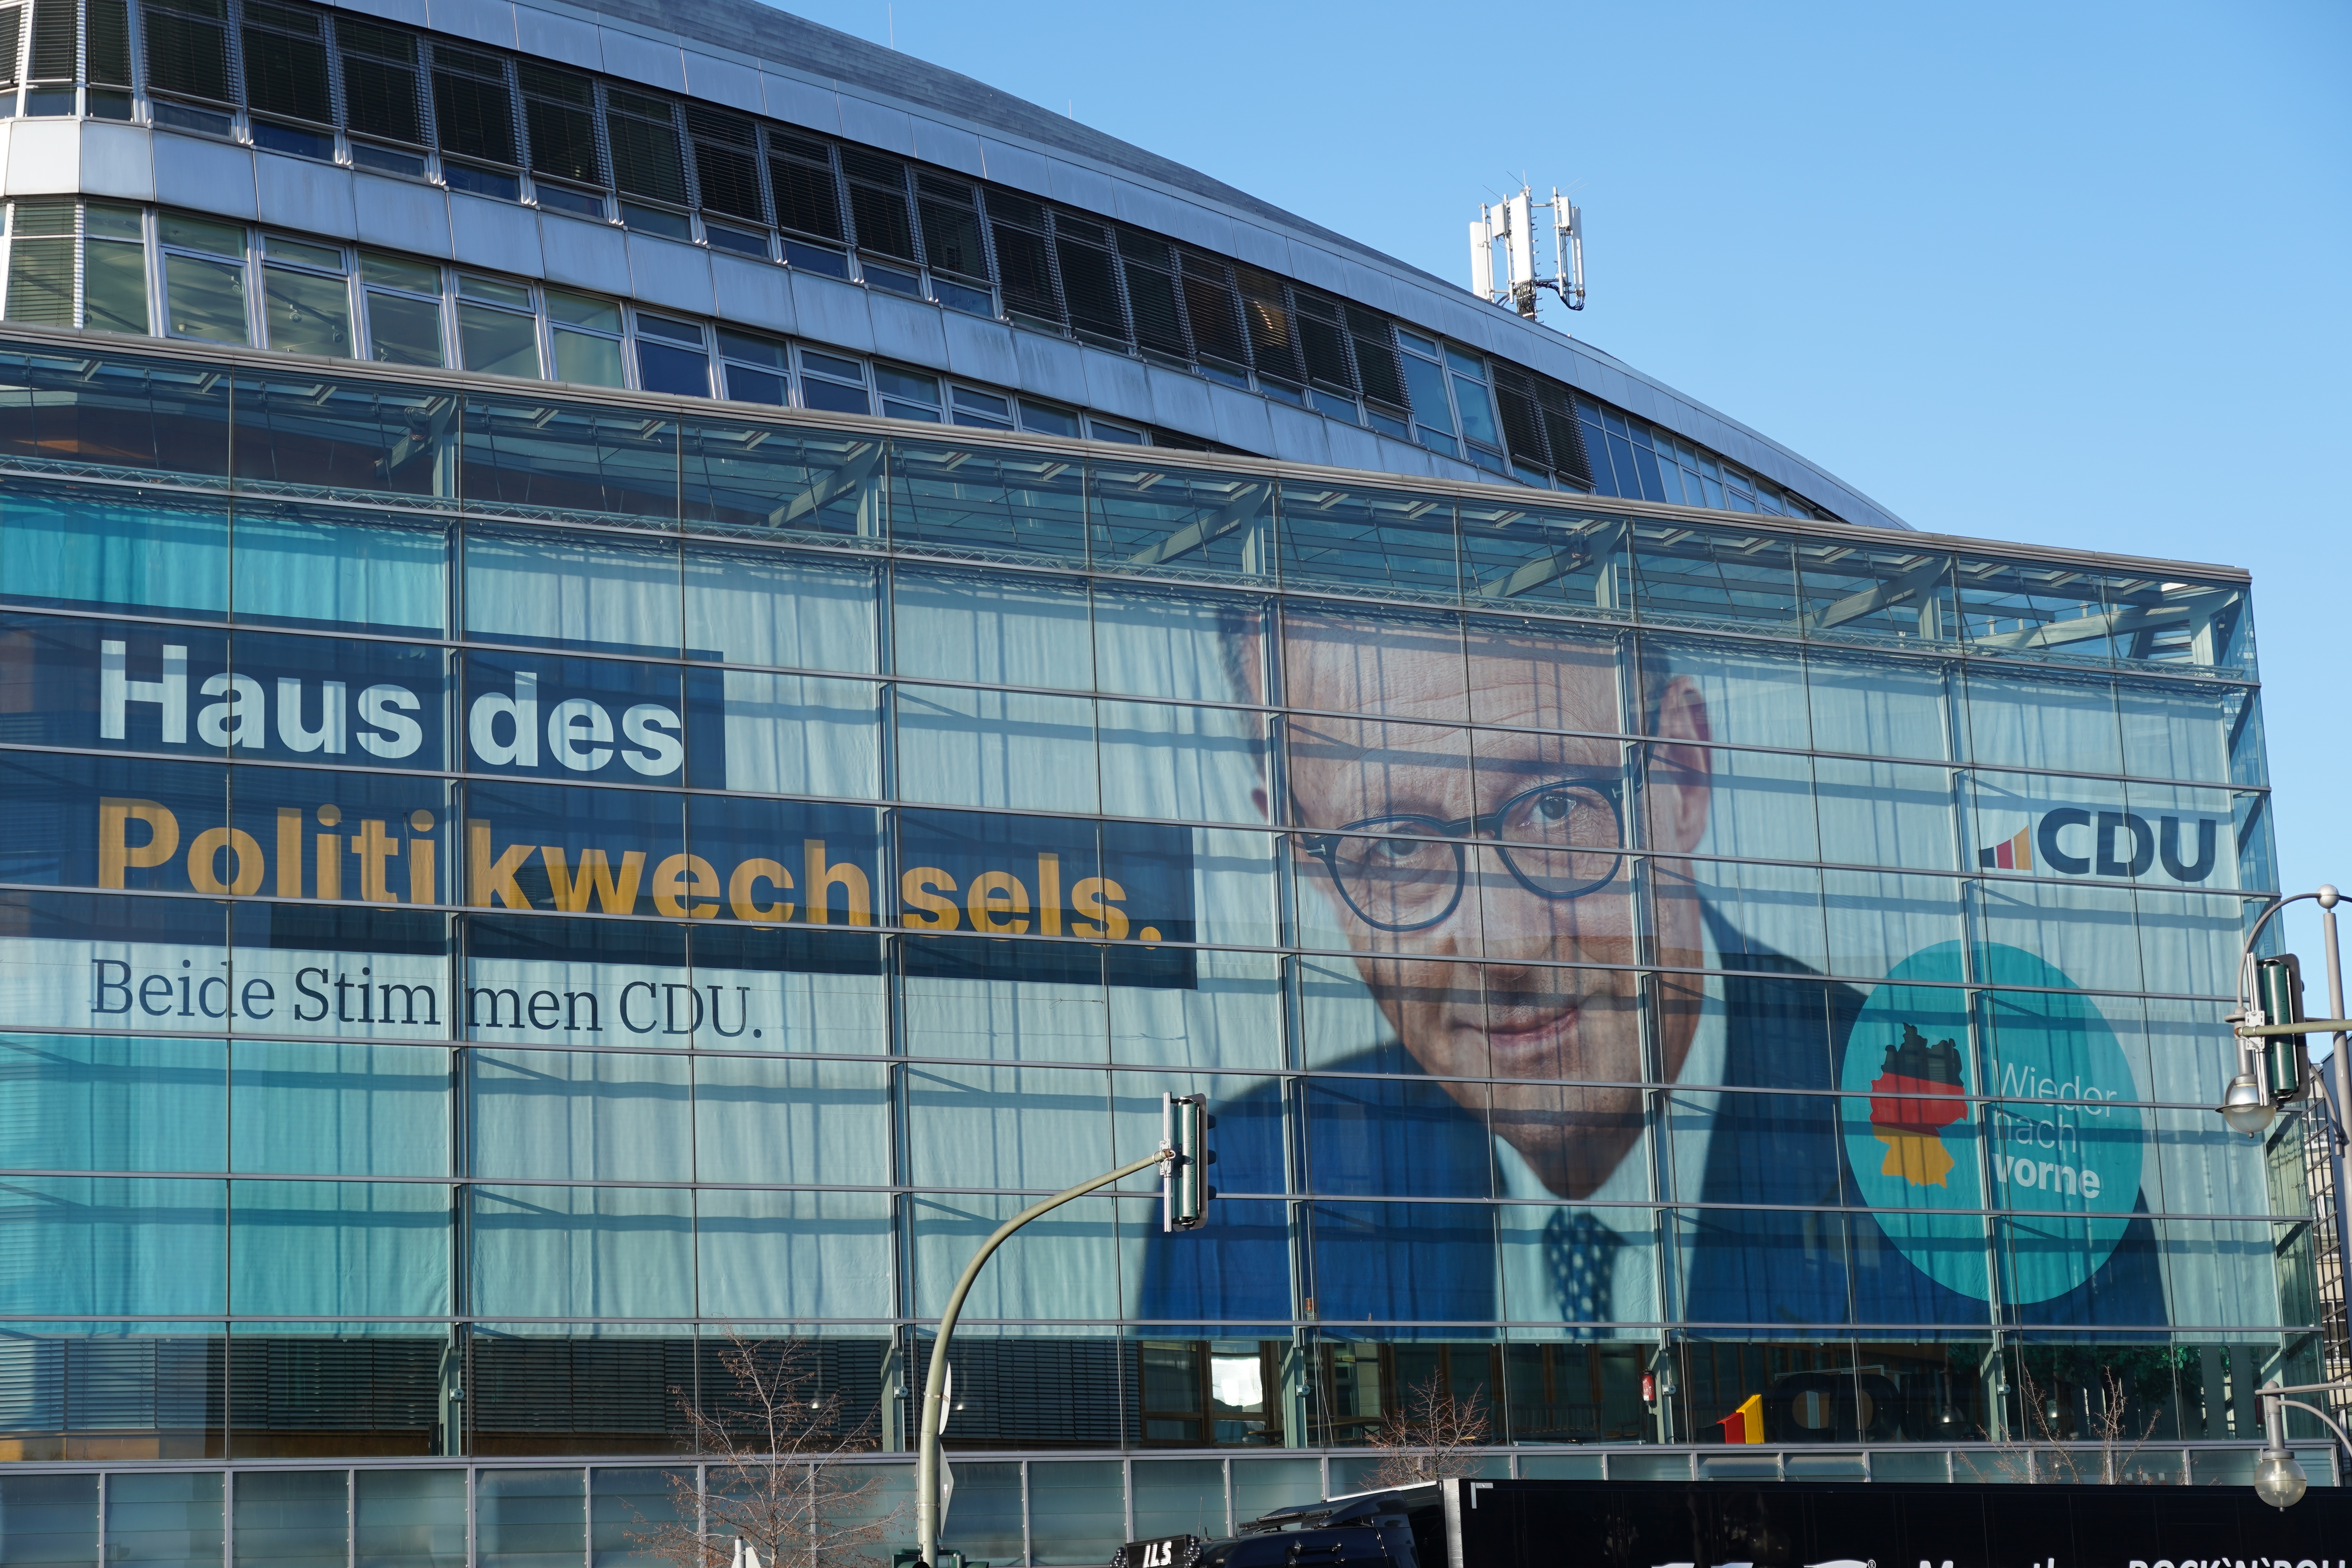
[402,736]
[116,691]
[574,719]
[328,735]
[655,728]
[241,721]
[521,711]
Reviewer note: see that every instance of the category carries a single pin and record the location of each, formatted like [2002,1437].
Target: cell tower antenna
[1510,223]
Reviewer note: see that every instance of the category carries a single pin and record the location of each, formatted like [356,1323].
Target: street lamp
[2245,1107]
[2269,1025]
[2278,1480]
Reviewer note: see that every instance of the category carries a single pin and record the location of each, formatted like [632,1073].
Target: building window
[1467,373]
[1424,379]
[114,268]
[41,263]
[1103,430]
[838,385]
[473,118]
[1375,368]
[877,205]
[758,369]
[287,81]
[559,117]
[203,280]
[1025,260]
[671,356]
[1048,420]
[403,310]
[1149,264]
[646,164]
[382,97]
[306,297]
[806,190]
[496,331]
[908,395]
[585,334]
[1089,280]
[727,177]
[986,410]
[187,55]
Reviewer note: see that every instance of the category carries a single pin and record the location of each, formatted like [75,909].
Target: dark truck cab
[1775,1525]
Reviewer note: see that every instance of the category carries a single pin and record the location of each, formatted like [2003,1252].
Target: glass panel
[2042,611]
[1017,631]
[114,412]
[306,314]
[1550,562]
[1176,523]
[166,1519]
[1715,578]
[588,1115]
[298,1518]
[582,1252]
[318,437]
[996,749]
[760,480]
[764,606]
[988,505]
[1078,1511]
[771,1120]
[89,1102]
[115,1246]
[1877,708]
[404,331]
[303,1109]
[352,1249]
[159,555]
[813,1255]
[1740,694]
[631,1513]
[2043,721]
[1875,594]
[498,342]
[1387,544]
[356,570]
[531,1518]
[572,590]
[204,299]
[546,462]
[52,1519]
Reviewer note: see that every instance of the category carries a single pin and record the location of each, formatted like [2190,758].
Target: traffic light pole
[927,1468]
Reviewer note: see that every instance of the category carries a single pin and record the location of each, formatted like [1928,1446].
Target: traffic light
[1184,1189]
[2279,988]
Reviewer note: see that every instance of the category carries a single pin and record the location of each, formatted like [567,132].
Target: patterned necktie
[1581,1254]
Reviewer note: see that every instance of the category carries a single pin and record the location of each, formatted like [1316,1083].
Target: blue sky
[2071,273]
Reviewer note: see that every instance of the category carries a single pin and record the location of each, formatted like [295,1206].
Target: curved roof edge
[770,61]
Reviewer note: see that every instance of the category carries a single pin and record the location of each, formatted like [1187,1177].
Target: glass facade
[499,889]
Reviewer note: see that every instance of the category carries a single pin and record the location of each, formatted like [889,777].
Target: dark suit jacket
[1435,1262]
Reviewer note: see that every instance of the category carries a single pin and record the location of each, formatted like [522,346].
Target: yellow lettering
[373,846]
[420,871]
[116,853]
[994,893]
[1092,897]
[595,878]
[330,853]
[742,887]
[915,889]
[203,854]
[487,879]
[823,876]
[1049,894]
[289,851]
[681,878]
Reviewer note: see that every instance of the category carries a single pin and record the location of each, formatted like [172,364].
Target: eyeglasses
[1558,841]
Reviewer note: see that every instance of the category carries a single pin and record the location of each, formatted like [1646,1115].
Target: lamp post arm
[2325,1418]
[926,1468]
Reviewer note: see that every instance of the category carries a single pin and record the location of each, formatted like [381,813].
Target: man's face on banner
[1543,888]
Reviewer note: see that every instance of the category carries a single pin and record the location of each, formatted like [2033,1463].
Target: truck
[1473,1523]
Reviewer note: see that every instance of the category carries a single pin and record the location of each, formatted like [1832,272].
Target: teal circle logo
[2061,1141]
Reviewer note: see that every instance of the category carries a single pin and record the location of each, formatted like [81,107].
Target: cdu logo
[2108,843]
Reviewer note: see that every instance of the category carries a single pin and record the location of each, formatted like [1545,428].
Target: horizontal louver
[1024,258]
[801,182]
[647,162]
[1214,310]
[109,43]
[1566,437]
[1515,397]
[1089,284]
[381,92]
[285,54]
[726,161]
[188,48]
[41,264]
[877,204]
[11,40]
[1325,341]
[54,41]
[1273,338]
[558,111]
[473,115]
[378,1384]
[1376,360]
[1147,262]
[951,226]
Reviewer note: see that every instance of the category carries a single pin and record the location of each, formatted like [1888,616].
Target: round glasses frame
[1325,846]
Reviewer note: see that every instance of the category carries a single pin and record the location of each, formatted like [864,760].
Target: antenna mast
[1511,224]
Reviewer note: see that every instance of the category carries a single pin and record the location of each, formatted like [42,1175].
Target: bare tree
[1430,1436]
[2045,1455]
[770,1476]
